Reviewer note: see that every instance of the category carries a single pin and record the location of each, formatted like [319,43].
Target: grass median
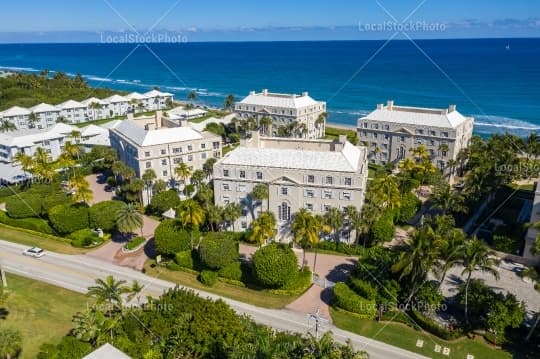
[404,337]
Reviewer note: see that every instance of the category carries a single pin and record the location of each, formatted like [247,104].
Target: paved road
[79,272]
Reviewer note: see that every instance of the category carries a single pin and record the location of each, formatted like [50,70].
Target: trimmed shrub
[433,327]
[383,230]
[54,199]
[84,238]
[346,298]
[217,253]
[232,271]
[173,266]
[363,288]
[163,201]
[170,238]
[103,215]
[208,278]
[410,204]
[297,285]
[24,205]
[134,243]
[33,224]
[275,265]
[184,259]
[68,218]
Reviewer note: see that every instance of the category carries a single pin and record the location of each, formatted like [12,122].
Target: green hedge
[433,327]
[410,204]
[163,201]
[208,278]
[24,205]
[218,253]
[184,259]
[84,238]
[275,265]
[103,215]
[39,234]
[232,271]
[173,266]
[383,229]
[346,298]
[232,282]
[363,288]
[134,243]
[297,285]
[33,224]
[170,238]
[69,218]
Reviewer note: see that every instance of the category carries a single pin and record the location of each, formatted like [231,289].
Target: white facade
[96,109]
[118,105]
[284,110]
[73,111]
[45,115]
[157,100]
[18,116]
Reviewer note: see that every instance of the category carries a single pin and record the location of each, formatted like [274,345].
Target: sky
[237,20]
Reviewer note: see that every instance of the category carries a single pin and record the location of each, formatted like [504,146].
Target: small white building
[96,109]
[45,115]
[137,102]
[180,113]
[73,111]
[18,116]
[157,100]
[118,105]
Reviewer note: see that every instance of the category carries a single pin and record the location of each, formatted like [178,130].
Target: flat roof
[279,100]
[142,137]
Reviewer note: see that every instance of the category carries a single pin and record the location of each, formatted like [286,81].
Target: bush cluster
[410,204]
[275,265]
[134,243]
[208,278]
[363,288]
[433,327]
[67,219]
[345,298]
[184,259]
[383,230]
[33,224]
[218,253]
[170,238]
[232,271]
[103,215]
[163,201]
[84,238]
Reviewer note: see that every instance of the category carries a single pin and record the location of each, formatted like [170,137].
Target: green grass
[260,298]
[41,312]
[34,239]
[134,243]
[405,337]
[99,122]
[209,114]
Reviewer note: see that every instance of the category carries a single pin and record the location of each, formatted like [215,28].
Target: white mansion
[300,173]
[45,116]
[284,110]
[391,131]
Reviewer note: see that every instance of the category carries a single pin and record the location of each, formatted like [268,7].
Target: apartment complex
[300,173]
[285,110]
[148,143]
[390,132]
[45,116]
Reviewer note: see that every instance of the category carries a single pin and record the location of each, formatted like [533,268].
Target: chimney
[342,139]
[158,119]
[380,106]
[451,108]
[265,92]
[305,94]
[252,92]
[390,105]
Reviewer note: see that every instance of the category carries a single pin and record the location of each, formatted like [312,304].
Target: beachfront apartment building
[71,111]
[302,112]
[300,173]
[390,132]
[147,143]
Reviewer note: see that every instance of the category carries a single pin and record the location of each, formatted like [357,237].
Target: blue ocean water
[495,80]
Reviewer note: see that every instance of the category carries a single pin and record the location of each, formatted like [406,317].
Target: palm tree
[214,215]
[208,167]
[83,193]
[477,257]
[129,218]
[94,106]
[263,228]
[260,193]
[10,343]
[320,121]
[229,102]
[450,251]
[192,96]
[190,214]
[306,231]
[445,199]
[76,135]
[353,218]
[109,290]
[182,171]
[232,212]
[417,259]
[7,126]
[148,177]
[266,123]
[26,162]
[72,149]
[33,119]
[198,177]
[386,192]
[134,291]
[334,218]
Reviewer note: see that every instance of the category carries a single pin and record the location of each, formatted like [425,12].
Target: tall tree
[82,192]
[109,291]
[263,228]
[7,126]
[191,215]
[386,192]
[260,193]
[229,102]
[214,215]
[129,218]
[183,172]
[232,212]
[477,257]
[445,199]
[334,219]
[307,229]
[148,177]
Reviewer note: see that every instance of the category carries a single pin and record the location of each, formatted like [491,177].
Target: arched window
[284,212]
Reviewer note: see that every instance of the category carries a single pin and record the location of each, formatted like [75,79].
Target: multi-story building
[118,105]
[73,111]
[300,111]
[18,116]
[96,109]
[144,143]
[44,115]
[157,100]
[300,173]
[391,132]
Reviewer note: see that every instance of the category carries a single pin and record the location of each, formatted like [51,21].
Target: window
[147,154]
[226,187]
[177,150]
[164,162]
[431,142]
[326,207]
[203,146]
[328,194]
[311,179]
[226,200]
[365,125]
[348,181]
[203,156]
[163,152]
[242,174]
[420,132]
[148,164]
[419,141]
[177,160]
[387,127]
[284,191]
[432,133]
[309,206]
[244,225]
[310,193]
[347,196]
[190,158]
[216,145]
[402,138]
[165,173]
[284,212]
[329,180]
[46,143]
[444,134]
[259,175]
[386,137]
[190,148]
[241,187]
[225,173]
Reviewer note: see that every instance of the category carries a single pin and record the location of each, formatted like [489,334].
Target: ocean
[497,81]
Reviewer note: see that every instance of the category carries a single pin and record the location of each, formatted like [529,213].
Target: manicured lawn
[405,337]
[210,114]
[35,240]
[259,298]
[98,122]
[41,312]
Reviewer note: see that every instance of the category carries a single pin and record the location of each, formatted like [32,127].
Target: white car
[34,252]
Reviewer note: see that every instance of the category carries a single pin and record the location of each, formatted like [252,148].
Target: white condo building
[300,173]
[44,115]
[391,131]
[73,111]
[285,110]
[18,116]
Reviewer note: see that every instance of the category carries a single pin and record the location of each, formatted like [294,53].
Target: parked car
[35,252]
